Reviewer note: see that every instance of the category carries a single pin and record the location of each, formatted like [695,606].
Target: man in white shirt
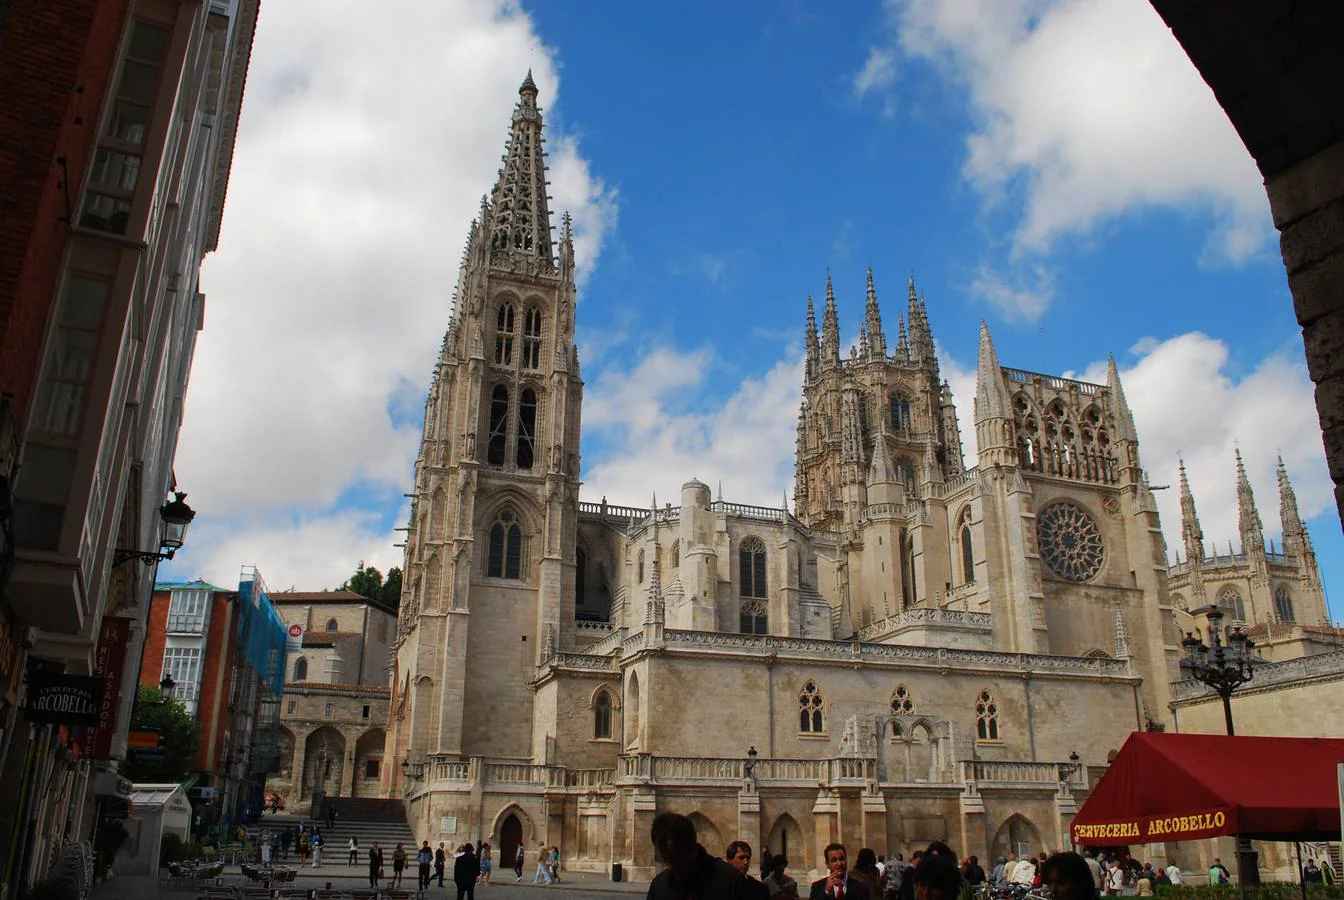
[1008,868]
[1095,868]
[1024,872]
[1173,871]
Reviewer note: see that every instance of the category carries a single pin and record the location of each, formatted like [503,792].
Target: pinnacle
[528,85]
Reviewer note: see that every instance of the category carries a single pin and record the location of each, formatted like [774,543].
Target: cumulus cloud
[1081,111]
[362,155]
[1188,404]
[654,436]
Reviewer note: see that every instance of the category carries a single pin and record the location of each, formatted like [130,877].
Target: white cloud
[1187,404]
[1024,294]
[362,155]
[1083,111]
[653,439]
[878,72]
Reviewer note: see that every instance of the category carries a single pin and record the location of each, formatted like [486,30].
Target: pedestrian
[554,863]
[318,843]
[1067,876]
[738,855]
[424,858]
[1115,880]
[352,850]
[1311,873]
[375,865]
[690,870]
[466,869]
[838,883]
[518,864]
[265,853]
[937,877]
[486,863]
[331,816]
[441,861]
[1173,871]
[780,885]
[543,865]
[398,864]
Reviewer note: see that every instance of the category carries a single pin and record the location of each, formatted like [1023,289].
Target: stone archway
[369,762]
[512,829]
[707,834]
[786,839]
[323,763]
[1016,835]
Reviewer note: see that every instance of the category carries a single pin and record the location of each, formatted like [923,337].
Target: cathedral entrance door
[510,838]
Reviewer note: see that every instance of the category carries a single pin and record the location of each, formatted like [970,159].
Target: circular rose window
[1070,541]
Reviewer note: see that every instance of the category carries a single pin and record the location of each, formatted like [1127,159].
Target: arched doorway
[510,839]
[709,837]
[323,763]
[786,839]
[1016,835]
[368,772]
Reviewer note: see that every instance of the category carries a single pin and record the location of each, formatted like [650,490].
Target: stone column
[749,815]
[644,806]
[972,814]
[1066,807]
[826,817]
[874,824]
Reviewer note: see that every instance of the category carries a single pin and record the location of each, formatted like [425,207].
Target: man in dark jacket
[440,861]
[738,855]
[690,872]
[466,869]
[837,885]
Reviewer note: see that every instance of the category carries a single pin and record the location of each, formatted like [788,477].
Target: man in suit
[837,884]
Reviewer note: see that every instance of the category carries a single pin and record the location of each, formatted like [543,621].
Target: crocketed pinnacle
[1248,517]
[521,220]
[1191,534]
[1124,419]
[830,325]
[1289,517]
[991,396]
[877,342]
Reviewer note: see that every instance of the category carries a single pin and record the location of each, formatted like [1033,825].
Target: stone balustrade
[449,773]
[1319,665]
[1004,772]
[922,616]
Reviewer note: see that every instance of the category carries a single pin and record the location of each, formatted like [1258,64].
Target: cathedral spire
[830,326]
[1124,419]
[1290,518]
[1248,517]
[993,413]
[521,220]
[873,319]
[1191,534]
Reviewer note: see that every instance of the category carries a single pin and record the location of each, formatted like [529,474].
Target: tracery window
[1283,605]
[527,428]
[900,413]
[505,556]
[504,334]
[1070,541]
[751,566]
[986,717]
[811,706]
[1230,600]
[905,474]
[967,549]
[602,716]
[532,339]
[499,426]
[901,702]
[754,617]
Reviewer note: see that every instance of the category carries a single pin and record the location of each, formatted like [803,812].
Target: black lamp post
[412,771]
[175,516]
[1069,769]
[750,765]
[167,686]
[1225,664]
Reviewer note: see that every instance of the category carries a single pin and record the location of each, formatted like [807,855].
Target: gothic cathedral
[918,650]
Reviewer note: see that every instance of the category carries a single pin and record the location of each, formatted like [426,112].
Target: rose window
[1070,541]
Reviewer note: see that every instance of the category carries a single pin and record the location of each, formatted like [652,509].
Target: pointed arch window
[301,669]
[527,428]
[504,335]
[967,549]
[902,704]
[676,554]
[580,577]
[333,625]
[1283,605]
[640,568]
[905,474]
[751,560]
[986,717]
[532,338]
[811,710]
[1230,599]
[499,426]
[505,557]
[900,413]
[602,716]
[754,617]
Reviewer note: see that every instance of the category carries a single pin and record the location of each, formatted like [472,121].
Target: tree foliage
[180,734]
[369,582]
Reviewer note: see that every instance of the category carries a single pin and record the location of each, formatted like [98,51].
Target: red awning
[1182,787]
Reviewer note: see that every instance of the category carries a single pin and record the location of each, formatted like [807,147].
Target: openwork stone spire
[877,342]
[1191,534]
[830,326]
[1122,650]
[520,221]
[1290,518]
[1248,517]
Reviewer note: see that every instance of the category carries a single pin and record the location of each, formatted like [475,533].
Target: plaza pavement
[573,886]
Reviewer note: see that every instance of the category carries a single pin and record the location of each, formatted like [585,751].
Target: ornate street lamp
[167,686]
[175,516]
[1225,664]
[412,771]
[1069,769]
[750,765]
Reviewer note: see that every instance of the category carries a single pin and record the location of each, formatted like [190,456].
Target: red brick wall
[212,710]
[151,657]
[56,59]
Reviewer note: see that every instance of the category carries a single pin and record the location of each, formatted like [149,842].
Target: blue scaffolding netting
[261,643]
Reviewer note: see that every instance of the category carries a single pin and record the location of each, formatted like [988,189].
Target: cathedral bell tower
[489,569]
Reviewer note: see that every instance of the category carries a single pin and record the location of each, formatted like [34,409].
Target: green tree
[392,589]
[367,582]
[179,734]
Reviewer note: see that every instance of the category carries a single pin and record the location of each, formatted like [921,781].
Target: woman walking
[398,864]
[486,863]
[518,864]
[353,848]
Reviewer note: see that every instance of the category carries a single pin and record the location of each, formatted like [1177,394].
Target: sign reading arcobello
[1154,829]
[67,699]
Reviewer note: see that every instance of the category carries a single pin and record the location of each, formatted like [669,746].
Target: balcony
[186,623]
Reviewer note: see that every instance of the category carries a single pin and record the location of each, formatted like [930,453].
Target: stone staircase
[368,820]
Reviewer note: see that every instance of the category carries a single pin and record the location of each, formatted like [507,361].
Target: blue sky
[1054,168]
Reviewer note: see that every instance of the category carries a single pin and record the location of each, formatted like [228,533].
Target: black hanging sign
[63,699]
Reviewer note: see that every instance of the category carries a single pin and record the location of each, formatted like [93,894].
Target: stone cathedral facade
[923,647]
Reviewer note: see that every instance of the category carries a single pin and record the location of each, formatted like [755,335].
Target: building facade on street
[117,142]
[923,647]
[334,716]
[198,634]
